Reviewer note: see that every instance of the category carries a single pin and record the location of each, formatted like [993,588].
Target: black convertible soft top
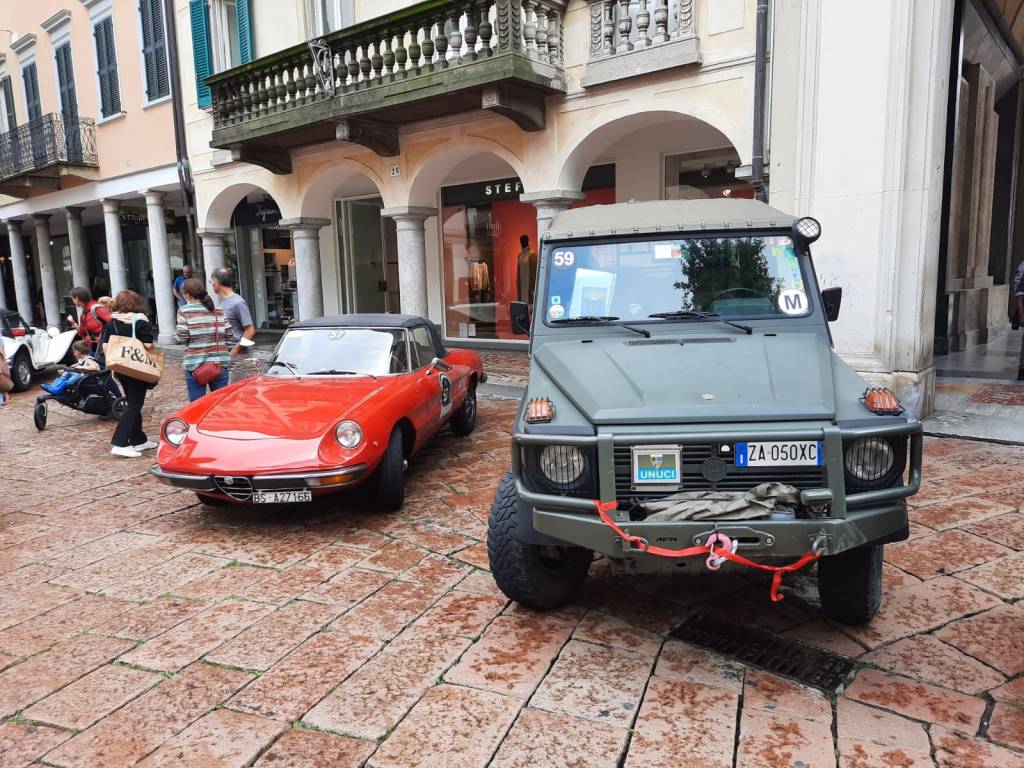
[376,320]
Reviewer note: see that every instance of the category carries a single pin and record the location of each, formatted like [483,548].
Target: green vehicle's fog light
[869,459]
[562,464]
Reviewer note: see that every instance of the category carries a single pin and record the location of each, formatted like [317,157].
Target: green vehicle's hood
[722,378]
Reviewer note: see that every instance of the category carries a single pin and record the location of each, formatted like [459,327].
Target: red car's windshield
[341,352]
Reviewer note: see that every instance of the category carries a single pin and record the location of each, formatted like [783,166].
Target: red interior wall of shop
[515,219]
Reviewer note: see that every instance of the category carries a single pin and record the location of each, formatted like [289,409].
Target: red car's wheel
[389,479]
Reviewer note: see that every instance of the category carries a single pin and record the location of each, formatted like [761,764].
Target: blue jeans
[197,390]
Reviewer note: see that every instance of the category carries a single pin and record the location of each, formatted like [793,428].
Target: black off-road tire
[850,584]
[389,479]
[117,408]
[534,576]
[21,372]
[464,421]
[39,415]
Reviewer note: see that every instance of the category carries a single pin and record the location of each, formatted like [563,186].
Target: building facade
[89,189]
[395,156]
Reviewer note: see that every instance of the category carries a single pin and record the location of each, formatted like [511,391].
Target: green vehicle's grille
[735,478]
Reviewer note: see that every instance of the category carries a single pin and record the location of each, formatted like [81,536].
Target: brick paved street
[139,627]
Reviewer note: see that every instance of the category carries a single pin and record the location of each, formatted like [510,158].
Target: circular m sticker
[556,311]
[793,301]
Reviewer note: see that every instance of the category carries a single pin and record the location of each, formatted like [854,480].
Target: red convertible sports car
[346,400]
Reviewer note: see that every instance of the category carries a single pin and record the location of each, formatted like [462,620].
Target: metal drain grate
[709,340]
[804,664]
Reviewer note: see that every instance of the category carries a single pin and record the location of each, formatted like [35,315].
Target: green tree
[714,266]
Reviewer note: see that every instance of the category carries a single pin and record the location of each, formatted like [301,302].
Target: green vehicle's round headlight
[562,465]
[869,459]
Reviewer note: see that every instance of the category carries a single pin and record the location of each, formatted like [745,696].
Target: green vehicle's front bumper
[852,520]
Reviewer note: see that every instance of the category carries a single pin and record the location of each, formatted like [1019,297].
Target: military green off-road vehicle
[682,367]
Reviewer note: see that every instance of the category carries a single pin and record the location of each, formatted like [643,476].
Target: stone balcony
[34,156]
[359,84]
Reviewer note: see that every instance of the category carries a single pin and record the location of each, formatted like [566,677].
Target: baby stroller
[92,392]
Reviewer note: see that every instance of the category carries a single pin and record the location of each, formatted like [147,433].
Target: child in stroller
[83,387]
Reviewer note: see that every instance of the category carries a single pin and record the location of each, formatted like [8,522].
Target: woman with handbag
[205,333]
[128,321]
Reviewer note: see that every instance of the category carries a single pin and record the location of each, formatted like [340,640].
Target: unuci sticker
[556,312]
[793,301]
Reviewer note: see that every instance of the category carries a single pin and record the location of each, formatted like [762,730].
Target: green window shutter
[28,76]
[66,84]
[154,49]
[106,59]
[8,93]
[243,16]
[201,49]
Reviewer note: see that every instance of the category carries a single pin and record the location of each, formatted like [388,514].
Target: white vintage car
[30,351]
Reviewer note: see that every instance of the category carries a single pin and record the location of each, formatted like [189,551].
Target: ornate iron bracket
[323,63]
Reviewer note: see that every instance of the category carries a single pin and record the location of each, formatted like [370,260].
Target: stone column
[115,246]
[159,259]
[22,287]
[214,253]
[550,204]
[412,256]
[76,243]
[308,277]
[51,301]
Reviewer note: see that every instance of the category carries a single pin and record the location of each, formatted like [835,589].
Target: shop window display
[489,252]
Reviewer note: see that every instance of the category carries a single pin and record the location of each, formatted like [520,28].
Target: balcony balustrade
[38,152]
[360,83]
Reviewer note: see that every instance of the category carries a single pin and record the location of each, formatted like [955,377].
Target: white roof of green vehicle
[666,216]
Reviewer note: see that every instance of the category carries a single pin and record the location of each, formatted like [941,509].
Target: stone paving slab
[138,626]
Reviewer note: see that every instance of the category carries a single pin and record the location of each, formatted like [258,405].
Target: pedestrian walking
[243,359]
[203,330]
[93,317]
[129,319]
[179,281]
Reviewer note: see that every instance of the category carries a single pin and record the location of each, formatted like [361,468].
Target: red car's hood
[271,407]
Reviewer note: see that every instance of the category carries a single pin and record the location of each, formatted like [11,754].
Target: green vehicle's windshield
[638,279]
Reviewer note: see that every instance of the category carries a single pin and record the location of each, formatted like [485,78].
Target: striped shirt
[205,335]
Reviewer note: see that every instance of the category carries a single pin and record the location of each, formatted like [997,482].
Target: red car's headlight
[175,431]
[348,434]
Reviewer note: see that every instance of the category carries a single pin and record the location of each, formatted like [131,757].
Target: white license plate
[784,453]
[281,497]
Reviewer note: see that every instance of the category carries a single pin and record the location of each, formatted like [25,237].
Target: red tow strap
[718,549]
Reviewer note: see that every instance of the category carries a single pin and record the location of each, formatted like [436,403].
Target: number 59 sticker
[563,259]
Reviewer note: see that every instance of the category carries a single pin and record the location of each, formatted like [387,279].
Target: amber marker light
[320,482]
[539,410]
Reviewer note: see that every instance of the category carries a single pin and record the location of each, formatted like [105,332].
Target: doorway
[368,245]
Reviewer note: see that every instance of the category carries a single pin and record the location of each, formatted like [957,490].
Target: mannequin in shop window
[526,270]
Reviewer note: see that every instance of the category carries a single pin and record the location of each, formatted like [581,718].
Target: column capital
[73,212]
[552,197]
[15,223]
[110,205]
[304,224]
[408,212]
[153,196]
[41,218]
[213,234]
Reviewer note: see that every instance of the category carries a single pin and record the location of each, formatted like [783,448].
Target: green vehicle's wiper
[585,319]
[294,371]
[600,319]
[688,314]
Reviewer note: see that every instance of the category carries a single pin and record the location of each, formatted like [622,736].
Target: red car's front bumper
[240,487]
